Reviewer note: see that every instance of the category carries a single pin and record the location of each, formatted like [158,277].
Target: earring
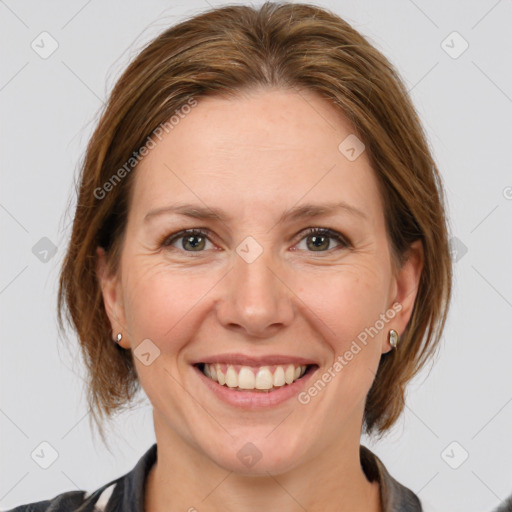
[119,338]
[393,338]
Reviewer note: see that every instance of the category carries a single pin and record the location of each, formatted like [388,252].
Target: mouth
[255,379]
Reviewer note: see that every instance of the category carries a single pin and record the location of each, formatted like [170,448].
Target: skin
[255,157]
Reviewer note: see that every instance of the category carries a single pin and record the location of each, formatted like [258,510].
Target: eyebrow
[292,214]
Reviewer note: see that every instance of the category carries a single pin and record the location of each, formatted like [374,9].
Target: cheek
[348,304]
[159,304]
[168,305]
[347,301]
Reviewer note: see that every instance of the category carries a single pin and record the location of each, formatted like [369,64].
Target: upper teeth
[246,377]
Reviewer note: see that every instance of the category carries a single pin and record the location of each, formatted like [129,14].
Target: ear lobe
[407,282]
[111,292]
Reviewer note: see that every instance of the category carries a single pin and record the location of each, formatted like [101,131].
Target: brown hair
[223,52]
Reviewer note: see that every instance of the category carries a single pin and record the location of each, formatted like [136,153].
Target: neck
[183,478]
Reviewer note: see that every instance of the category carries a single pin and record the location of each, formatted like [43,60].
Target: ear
[405,289]
[112,296]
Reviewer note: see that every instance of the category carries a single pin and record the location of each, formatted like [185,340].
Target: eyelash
[167,240]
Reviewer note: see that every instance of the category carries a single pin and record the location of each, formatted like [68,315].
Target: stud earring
[393,338]
[119,338]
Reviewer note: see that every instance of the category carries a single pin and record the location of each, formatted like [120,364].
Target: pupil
[191,238]
[317,241]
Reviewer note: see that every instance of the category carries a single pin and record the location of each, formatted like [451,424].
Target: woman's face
[256,289]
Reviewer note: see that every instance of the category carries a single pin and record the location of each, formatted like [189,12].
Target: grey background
[48,110]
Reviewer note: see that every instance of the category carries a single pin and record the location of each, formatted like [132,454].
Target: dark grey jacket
[126,493]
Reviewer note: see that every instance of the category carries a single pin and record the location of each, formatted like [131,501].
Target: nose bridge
[256,299]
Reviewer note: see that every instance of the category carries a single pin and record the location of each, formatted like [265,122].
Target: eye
[320,239]
[192,240]
[195,240]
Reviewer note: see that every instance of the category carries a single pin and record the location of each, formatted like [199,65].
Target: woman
[260,244]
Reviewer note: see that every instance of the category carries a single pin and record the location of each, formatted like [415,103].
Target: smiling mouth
[264,379]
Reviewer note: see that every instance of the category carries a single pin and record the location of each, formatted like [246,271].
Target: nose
[256,299]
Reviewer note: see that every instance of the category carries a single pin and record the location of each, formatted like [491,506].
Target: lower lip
[249,399]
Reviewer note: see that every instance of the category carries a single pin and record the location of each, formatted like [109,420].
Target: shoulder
[66,501]
[124,494]
[71,501]
[395,497]
[505,506]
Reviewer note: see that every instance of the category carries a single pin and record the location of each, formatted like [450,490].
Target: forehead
[262,150]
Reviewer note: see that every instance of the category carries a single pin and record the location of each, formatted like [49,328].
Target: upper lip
[246,360]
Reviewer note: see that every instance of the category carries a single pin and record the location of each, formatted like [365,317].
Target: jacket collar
[393,495]
[128,494]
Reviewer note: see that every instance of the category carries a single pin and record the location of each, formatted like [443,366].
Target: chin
[252,459]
